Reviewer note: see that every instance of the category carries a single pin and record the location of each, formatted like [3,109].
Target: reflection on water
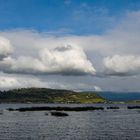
[122,124]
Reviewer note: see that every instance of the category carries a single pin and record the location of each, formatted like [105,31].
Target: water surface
[122,124]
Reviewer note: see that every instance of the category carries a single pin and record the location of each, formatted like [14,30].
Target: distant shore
[55,96]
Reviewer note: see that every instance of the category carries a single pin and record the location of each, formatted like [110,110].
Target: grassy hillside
[44,95]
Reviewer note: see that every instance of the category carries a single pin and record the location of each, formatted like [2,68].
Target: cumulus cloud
[35,53]
[11,82]
[64,60]
[70,60]
[5,48]
[122,65]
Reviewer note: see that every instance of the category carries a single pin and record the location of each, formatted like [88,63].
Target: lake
[122,124]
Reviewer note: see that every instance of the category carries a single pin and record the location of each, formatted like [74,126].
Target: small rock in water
[61,114]
[113,107]
[46,114]
[133,107]
[1,112]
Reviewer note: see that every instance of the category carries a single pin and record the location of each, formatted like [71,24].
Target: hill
[45,95]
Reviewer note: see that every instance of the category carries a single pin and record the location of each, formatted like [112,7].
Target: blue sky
[71,44]
[64,16]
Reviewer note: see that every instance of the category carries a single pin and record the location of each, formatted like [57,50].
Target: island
[47,95]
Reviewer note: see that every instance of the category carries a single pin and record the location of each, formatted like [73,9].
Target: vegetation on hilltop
[45,95]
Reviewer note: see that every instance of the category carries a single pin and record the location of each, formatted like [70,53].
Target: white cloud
[122,65]
[11,82]
[97,88]
[64,60]
[119,39]
[122,39]
[5,48]
[68,60]
[36,53]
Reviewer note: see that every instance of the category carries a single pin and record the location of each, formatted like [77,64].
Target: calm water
[120,96]
[119,124]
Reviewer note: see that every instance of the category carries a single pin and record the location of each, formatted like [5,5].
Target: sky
[70,44]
